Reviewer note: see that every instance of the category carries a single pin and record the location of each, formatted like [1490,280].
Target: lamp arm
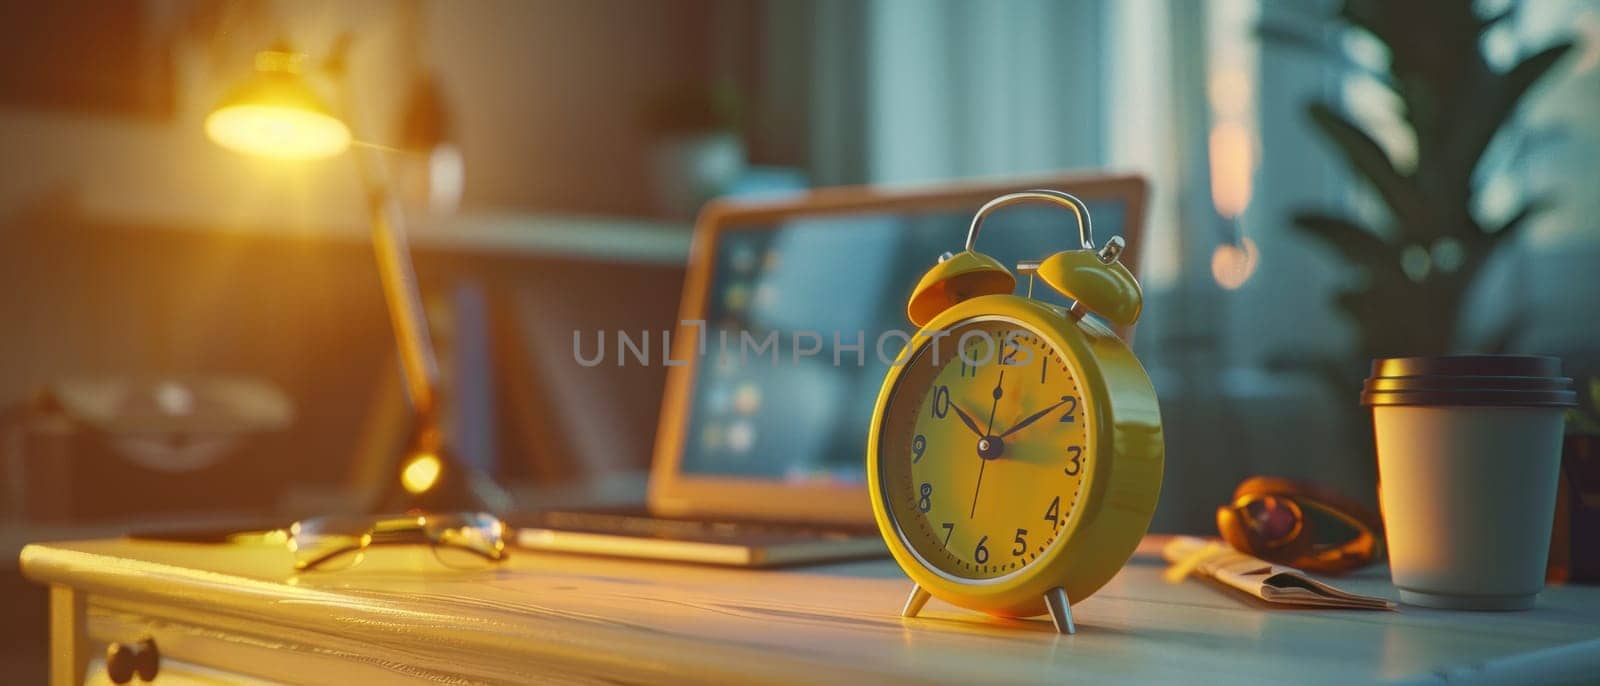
[418,362]
[419,365]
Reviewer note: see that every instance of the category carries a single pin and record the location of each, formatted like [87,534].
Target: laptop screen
[805,316]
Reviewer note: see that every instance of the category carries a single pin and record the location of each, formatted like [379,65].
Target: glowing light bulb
[421,473]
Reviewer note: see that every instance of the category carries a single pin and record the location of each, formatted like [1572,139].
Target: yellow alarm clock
[1015,454]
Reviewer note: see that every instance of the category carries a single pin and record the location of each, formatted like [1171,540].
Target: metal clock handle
[1067,200]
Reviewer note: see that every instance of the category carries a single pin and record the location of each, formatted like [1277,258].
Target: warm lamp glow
[420,473]
[277,114]
[277,132]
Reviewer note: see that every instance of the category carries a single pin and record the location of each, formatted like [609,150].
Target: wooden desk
[235,613]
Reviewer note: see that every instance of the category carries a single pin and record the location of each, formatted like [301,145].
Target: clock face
[984,449]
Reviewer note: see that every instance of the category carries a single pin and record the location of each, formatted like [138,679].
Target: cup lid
[1506,380]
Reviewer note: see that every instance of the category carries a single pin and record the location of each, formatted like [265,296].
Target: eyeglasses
[463,540]
[1270,518]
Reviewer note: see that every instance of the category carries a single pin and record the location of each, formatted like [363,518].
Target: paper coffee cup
[1469,450]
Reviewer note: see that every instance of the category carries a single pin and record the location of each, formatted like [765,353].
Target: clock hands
[996,405]
[1033,418]
[990,446]
[967,419]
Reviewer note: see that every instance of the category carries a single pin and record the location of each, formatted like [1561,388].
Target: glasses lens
[467,540]
[1274,519]
[327,543]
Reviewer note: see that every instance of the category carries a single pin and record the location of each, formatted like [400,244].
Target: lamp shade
[277,114]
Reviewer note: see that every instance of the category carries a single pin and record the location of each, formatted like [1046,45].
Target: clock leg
[1060,610]
[915,601]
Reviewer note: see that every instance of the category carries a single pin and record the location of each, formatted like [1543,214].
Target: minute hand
[1031,419]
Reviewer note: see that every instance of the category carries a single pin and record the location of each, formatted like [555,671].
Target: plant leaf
[1502,339]
[1312,45]
[1351,240]
[1520,78]
[1486,22]
[1367,158]
[1514,225]
[1369,15]
[1499,101]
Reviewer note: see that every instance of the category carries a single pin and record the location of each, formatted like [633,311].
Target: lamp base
[432,478]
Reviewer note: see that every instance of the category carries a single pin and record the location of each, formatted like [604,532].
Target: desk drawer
[196,649]
[173,673]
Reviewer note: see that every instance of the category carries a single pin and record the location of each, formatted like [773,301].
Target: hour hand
[967,419]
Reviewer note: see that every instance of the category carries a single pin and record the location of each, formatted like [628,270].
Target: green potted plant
[1408,281]
[1411,279]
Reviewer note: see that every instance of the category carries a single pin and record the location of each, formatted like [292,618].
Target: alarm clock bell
[955,278]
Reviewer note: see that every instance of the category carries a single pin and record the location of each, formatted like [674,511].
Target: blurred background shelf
[577,237]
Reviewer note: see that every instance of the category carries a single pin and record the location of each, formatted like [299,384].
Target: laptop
[760,451]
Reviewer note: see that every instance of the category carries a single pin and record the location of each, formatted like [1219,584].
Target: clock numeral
[1010,346]
[981,553]
[925,503]
[1072,406]
[949,528]
[1021,541]
[1053,515]
[919,445]
[941,401]
[1044,368]
[1074,460]
[967,370]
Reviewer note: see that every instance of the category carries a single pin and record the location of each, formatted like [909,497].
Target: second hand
[989,431]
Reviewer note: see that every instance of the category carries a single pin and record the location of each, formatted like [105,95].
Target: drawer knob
[123,661]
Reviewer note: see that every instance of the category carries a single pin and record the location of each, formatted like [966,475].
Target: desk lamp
[278,114]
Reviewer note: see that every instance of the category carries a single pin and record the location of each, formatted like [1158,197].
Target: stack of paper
[1262,579]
